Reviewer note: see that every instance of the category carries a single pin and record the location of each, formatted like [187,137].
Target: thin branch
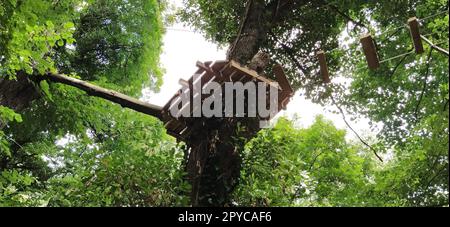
[398,65]
[314,161]
[425,85]
[443,168]
[445,105]
[289,52]
[347,17]
[354,131]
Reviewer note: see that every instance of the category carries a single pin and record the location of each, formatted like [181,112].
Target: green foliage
[69,149]
[315,166]
[119,42]
[408,95]
[134,164]
[29,32]
[286,166]
[69,146]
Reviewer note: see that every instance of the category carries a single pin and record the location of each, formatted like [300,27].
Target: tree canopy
[61,147]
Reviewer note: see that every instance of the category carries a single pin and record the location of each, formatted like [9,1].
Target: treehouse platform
[220,72]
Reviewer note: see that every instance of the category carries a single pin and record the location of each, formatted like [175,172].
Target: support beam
[370,51]
[414,28]
[323,67]
[115,97]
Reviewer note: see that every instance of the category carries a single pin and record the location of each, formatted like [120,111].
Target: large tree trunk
[18,93]
[214,163]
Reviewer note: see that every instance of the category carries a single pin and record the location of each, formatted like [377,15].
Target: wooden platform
[220,72]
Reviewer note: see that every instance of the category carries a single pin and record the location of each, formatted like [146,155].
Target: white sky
[183,48]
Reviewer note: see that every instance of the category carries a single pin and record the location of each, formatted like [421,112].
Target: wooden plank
[370,51]
[414,28]
[207,77]
[225,72]
[323,67]
[282,79]
[166,108]
[183,82]
[205,67]
[253,73]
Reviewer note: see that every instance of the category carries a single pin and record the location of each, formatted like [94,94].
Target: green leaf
[45,88]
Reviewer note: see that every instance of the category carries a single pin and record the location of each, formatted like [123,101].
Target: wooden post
[323,67]
[414,27]
[370,51]
[282,80]
[286,89]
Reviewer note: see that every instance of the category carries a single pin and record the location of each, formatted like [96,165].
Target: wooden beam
[323,67]
[282,80]
[236,66]
[113,96]
[370,51]
[183,82]
[414,28]
[203,66]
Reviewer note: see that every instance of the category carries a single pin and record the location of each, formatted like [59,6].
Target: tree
[104,42]
[293,31]
[36,169]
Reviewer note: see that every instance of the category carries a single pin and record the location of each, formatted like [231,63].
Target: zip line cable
[434,15]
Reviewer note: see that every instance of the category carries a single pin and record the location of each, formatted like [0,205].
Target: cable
[434,15]
[180,30]
[398,56]
[434,46]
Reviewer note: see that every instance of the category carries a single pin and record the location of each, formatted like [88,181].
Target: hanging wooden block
[323,67]
[414,27]
[370,51]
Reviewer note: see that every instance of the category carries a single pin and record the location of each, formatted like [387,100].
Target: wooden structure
[219,72]
[370,51]
[414,28]
[323,67]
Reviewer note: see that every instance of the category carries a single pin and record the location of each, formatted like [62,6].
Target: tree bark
[18,93]
[113,96]
[214,163]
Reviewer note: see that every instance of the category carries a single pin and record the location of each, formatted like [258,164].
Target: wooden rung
[323,67]
[370,51]
[183,82]
[414,27]
[204,67]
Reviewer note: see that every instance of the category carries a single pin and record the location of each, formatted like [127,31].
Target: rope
[434,15]
[396,57]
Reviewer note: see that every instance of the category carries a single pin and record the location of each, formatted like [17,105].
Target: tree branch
[289,52]
[425,83]
[347,17]
[445,105]
[398,65]
[113,96]
[354,131]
